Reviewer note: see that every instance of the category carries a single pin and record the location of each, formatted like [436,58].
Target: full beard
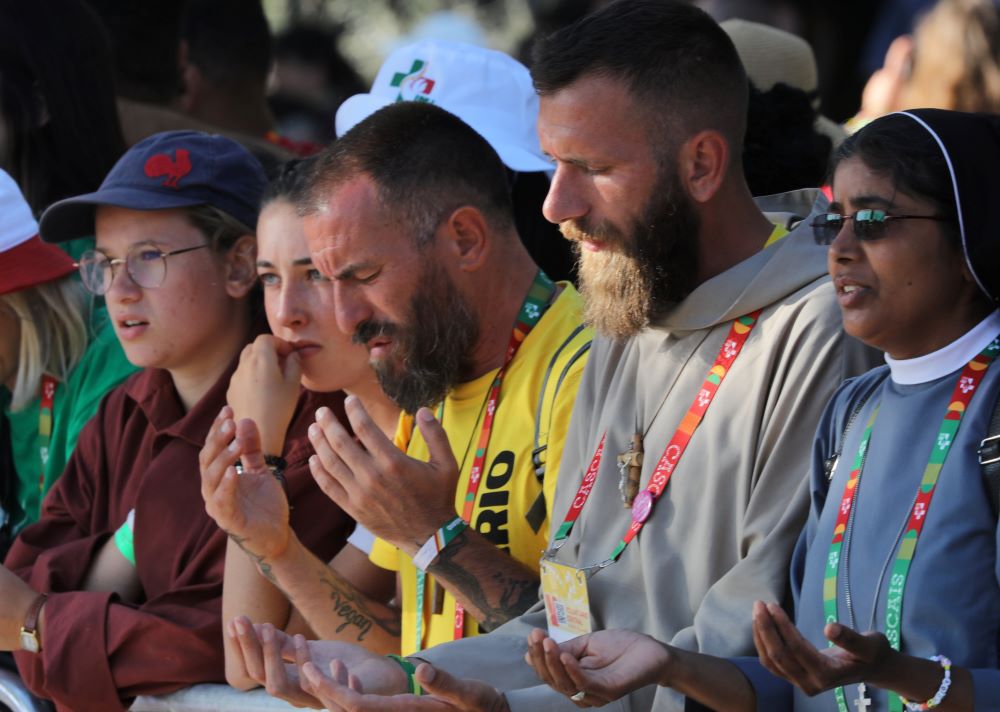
[431,352]
[637,277]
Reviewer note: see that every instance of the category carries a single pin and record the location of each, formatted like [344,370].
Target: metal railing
[15,695]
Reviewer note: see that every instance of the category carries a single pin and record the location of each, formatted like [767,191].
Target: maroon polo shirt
[140,451]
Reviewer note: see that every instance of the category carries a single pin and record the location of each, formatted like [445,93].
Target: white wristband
[437,542]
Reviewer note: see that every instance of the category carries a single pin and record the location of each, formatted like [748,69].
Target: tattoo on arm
[350,606]
[264,568]
[517,593]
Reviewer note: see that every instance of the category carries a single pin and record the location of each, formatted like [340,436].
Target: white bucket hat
[488,90]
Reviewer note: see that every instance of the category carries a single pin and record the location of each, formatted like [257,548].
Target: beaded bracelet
[942,690]
[410,670]
[437,542]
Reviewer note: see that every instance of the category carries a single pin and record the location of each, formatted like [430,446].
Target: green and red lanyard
[46,411]
[643,504]
[968,382]
[535,303]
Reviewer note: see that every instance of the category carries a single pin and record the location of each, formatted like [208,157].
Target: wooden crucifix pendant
[630,467]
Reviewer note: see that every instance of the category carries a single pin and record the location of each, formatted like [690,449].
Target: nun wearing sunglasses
[895,578]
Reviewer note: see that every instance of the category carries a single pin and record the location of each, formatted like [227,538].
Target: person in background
[116,590]
[58,360]
[492,93]
[310,80]
[788,141]
[896,576]
[952,61]
[225,58]
[59,128]
[145,43]
[307,346]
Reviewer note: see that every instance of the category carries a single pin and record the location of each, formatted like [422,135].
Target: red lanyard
[642,507]
[538,297]
[45,417]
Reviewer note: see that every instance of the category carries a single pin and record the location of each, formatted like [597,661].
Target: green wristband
[410,669]
[124,542]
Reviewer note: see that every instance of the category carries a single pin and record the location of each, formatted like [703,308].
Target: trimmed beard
[637,277]
[431,351]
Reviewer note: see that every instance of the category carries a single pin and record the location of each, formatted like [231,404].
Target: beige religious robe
[722,534]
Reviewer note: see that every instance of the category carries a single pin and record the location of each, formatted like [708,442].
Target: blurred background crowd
[284,66]
[80,80]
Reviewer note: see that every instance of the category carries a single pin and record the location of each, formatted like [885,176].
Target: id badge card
[567,605]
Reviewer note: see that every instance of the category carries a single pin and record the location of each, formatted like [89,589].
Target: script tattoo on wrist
[515,592]
[349,605]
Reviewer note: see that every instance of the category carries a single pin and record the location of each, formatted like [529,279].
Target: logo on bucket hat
[196,168]
[414,85]
[488,90]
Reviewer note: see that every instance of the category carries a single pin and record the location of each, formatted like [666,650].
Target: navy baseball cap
[174,169]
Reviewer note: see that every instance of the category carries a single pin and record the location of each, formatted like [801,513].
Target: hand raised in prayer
[785,652]
[265,389]
[342,691]
[604,665]
[251,507]
[398,498]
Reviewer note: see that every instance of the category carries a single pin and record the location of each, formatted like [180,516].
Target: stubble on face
[643,269]
[432,349]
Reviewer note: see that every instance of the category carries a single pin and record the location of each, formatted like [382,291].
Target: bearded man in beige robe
[643,108]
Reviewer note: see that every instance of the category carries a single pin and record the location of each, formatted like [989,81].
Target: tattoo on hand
[517,593]
[352,609]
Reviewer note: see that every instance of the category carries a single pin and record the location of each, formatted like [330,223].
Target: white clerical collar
[932,366]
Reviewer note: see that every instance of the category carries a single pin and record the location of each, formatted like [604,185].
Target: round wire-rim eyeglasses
[145,263]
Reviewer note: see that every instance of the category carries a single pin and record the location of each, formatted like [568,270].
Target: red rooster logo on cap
[173,168]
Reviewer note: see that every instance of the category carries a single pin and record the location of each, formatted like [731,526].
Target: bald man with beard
[683,479]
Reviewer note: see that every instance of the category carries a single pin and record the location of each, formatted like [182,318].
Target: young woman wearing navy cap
[116,590]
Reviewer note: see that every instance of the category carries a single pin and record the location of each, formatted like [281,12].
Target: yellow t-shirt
[539,387]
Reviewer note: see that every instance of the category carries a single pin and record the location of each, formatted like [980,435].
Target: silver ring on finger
[578,697]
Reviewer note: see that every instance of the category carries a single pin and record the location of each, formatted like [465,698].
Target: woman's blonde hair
[957,58]
[54,321]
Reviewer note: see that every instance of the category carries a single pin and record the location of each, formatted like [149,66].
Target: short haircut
[229,41]
[425,163]
[679,65]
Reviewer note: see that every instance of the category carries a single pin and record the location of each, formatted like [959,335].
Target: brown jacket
[141,452]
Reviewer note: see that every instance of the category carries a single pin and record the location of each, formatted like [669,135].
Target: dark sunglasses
[868,224]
